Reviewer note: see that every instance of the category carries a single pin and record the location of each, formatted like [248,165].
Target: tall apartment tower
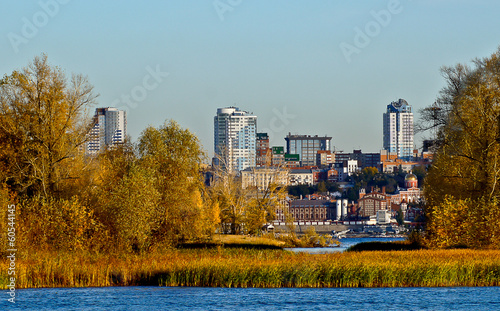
[262,149]
[110,128]
[398,129]
[235,138]
[306,146]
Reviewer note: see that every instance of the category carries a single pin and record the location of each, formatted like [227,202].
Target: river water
[196,298]
[345,243]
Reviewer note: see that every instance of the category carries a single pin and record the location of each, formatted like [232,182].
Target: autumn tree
[150,194]
[174,156]
[42,127]
[264,201]
[465,174]
[230,196]
[123,198]
[247,207]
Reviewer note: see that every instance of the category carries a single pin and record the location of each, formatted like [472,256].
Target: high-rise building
[110,128]
[262,149]
[235,138]
[398,129]
[306,147]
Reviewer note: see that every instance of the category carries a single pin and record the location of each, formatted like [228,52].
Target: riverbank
[240,267]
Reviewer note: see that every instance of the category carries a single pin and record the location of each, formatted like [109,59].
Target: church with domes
[410,194]
[377,199]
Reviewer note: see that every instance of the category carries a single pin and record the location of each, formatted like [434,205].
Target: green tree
[420,172]
[131,206]
[300,190]
[322,187]
[399,217]
[369,173]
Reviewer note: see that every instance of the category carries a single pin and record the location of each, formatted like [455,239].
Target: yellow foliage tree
[42,128]
[54,224]
[174,155]
[231,199]
[465,174]
[246,208]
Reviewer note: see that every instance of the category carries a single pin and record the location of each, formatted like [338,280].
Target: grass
[242,267]
[385,246]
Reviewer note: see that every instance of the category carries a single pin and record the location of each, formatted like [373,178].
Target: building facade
[110,128]
[278,155]
[306,147]
[263,177]
[369,204]
[292,160]
[323,158]
[312,210]
[235,138]
[301,177]
[398,129]
[410,194]
[262,149]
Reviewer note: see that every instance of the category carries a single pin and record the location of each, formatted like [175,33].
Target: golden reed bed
[220,267]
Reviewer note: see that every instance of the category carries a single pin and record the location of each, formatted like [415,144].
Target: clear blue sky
[300,66]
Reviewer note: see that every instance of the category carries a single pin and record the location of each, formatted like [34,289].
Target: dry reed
[222,267]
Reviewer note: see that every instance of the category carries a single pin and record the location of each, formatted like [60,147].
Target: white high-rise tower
[398,129]
[235,138]
[110,128]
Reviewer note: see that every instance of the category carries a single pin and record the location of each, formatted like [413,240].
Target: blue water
[196,298]
[344,244]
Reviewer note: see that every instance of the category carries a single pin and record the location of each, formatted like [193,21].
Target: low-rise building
[278,155]
[262,177]
[292,160]
[312,210]
[369,204]
[345,169]
[301,177]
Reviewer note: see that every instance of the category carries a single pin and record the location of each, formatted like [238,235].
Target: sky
[304,67]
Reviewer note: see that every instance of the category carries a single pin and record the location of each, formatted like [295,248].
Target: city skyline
[325,68]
